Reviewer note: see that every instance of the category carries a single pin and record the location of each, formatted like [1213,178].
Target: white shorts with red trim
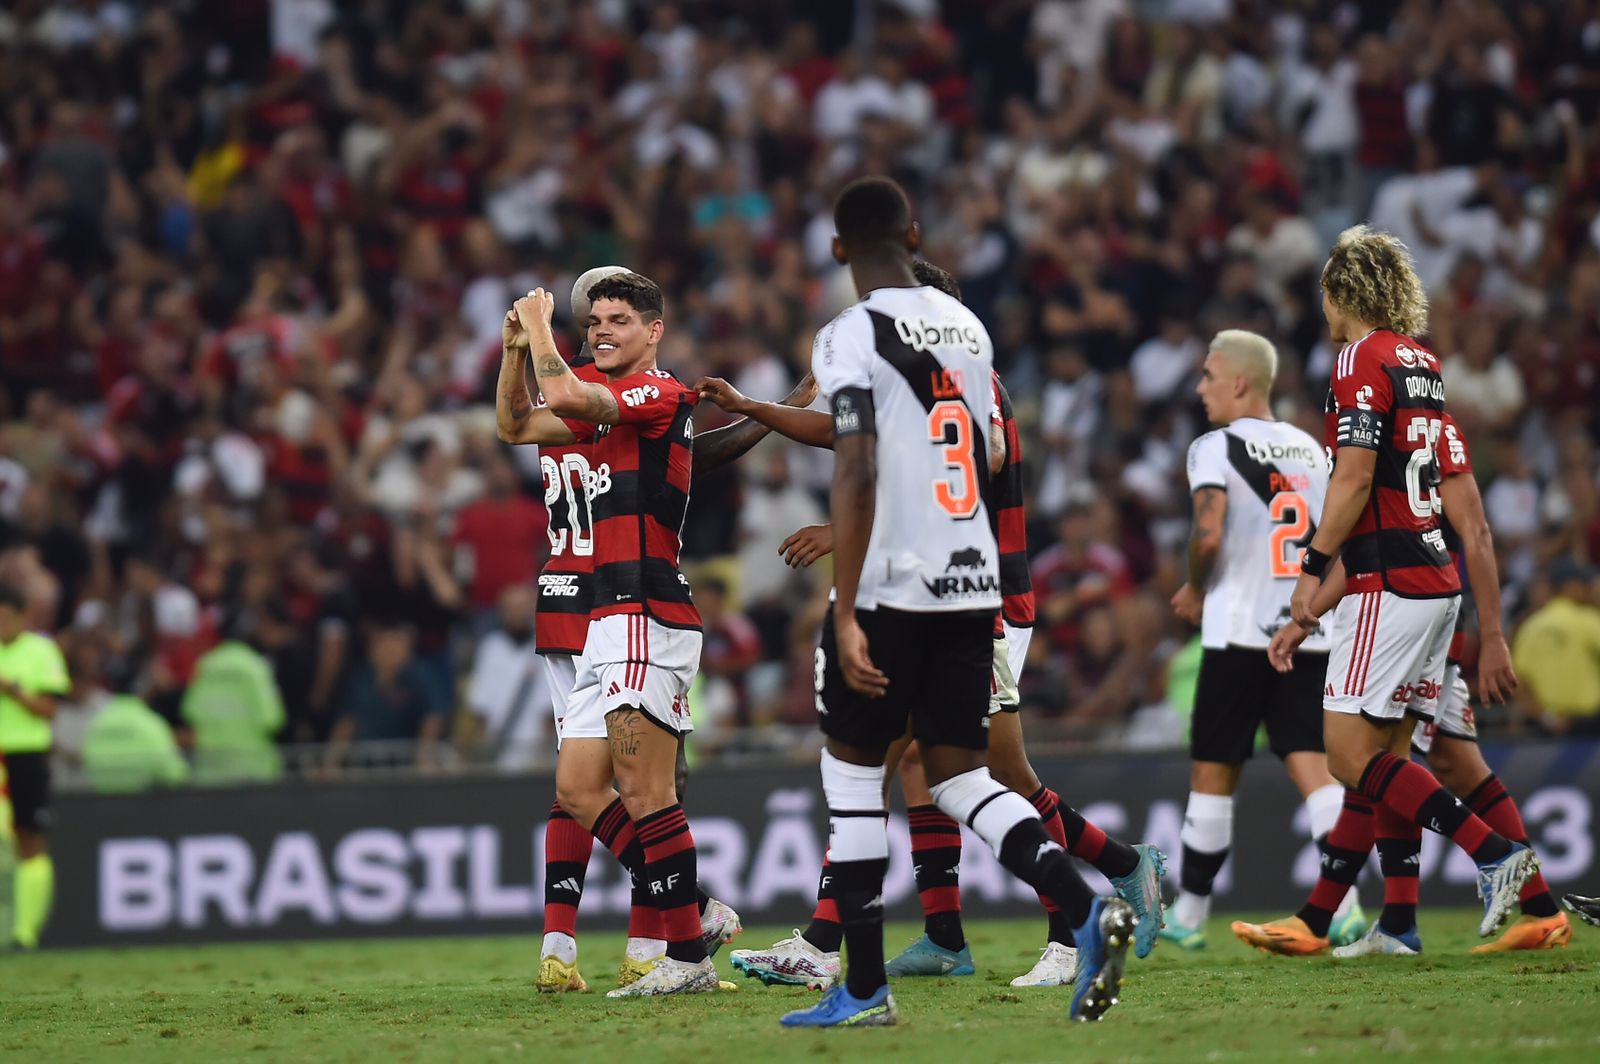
[631,661]
[1010,655]
[1455,719]
[1389,655]
[561,674]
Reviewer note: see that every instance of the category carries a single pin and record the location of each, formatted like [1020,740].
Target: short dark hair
[11,597]
[936,277]
[871,210]
[634,289]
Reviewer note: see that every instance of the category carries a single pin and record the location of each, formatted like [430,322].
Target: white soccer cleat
[719,924]
[672,977]
[1500,884]
[1058,966]
[791,962]
[1378,942]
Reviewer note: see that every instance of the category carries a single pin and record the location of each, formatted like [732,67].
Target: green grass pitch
[472,999]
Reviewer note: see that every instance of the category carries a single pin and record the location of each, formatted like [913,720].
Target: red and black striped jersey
[562,623]
[642,467]
[1454,460]
[1011,520]
[1387,396]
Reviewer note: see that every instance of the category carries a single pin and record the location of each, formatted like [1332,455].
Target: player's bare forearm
[854,500]
[1331,591]
[1464,507]
[1348,491]
[512,404]
[1205,536]
[566,395]
[810,427]
[726,445]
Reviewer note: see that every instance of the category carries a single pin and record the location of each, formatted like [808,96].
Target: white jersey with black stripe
[913,366]
[1276,478]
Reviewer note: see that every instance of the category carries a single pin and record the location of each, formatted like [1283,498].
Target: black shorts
[1239,690]
[940,668]
[28,780]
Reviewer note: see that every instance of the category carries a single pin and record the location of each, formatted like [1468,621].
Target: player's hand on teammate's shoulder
[722,393]
[1496,678]
[807,545]
[535,309]
[860,674]
[1188,604]
[1284,643]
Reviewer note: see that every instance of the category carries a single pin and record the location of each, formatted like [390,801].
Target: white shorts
[1455,719]
[629,660]
[561,674]
[1010,655]
[1388,655]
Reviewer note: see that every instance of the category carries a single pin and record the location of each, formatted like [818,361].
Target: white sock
[1191,910]
[560,945]
[1208,822]
[1323,806]
[646,949]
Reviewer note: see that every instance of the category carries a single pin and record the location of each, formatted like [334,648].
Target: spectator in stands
[507,691]
[500,537]
[235,712]
[391,699]
[128,748]
[76,710]
[1557,653]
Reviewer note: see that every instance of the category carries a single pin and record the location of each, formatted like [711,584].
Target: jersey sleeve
[648,400]
[1363,399]
[51,676]
[1454,457]
[1208,462]
[841,356]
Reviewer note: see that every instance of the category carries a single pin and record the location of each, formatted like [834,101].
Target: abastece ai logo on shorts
[963,576]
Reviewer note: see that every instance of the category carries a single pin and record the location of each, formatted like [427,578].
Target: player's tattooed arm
[1205,536]
[719,447]
[566,395]
[516,419]
[810,427]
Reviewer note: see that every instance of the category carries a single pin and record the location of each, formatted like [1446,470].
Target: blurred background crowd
[254,256]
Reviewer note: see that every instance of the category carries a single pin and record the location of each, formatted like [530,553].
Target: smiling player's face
[621,341]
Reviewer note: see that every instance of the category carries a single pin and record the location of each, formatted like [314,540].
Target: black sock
[858,888]
[1061,929]
[1200,870]
[1033,857]
[701,898]
[823,933]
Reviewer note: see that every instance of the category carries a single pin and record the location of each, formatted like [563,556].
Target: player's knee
[1347,766]
[642,795]
[1014,773]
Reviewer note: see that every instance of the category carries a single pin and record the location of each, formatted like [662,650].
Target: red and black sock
[617,833]
[1111,857]
[1344,853]
[1495,807]
[566,859]
[1400,855]
[1410,790]
[669,868]
[936,857]
[1048,803]
[825,931]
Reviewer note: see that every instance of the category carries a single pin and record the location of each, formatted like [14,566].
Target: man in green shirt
[128,748]
[33,674]
[236,711]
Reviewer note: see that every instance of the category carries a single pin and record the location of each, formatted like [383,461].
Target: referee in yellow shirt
[32,674]
[1557,652]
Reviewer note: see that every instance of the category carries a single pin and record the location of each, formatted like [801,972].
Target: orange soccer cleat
[1289,937]
[1531,932]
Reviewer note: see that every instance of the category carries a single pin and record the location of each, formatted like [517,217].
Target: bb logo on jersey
[640,395]
[921,335]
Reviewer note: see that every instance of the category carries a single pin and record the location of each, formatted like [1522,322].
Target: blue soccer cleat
[1499,884]
[1102,951]
[923,957]
[1141,889]
[838,1009]
[1348,928]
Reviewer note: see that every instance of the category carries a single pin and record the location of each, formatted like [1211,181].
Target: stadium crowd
[254,256]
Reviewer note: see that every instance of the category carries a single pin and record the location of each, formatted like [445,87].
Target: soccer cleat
[1289,937]
[923,957]
[1499,884]
[630,971]
[1103,942]
[791,962]
[1531,932]
[719,924]
[1057,966]
[1185,938]
[1141,889]
[667,976]
[838,1009]
[1377,942]
[1347,928]
[558,977]
[1585,909]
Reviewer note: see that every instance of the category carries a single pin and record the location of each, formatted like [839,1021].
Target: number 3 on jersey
[1291,520]
[950,426]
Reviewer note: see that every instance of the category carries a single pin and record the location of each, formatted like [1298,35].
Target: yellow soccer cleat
[1531,932]
[558,977]
[1289,937]
[631,971]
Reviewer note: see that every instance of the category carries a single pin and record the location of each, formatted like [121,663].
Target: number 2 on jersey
[950,426]
[1291,520]
[569,478]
